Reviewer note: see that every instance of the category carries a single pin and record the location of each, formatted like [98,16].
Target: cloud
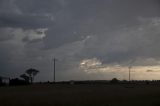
[116,50]
[127,43]
[9,6]
[6,34]
[132,45]
[18,53]
[88,64]
[103,35]
[37,34]
[150,71]
[25,21]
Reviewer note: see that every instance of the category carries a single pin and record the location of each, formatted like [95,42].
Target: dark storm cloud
[94,17]
[67,17]
[15,13]
[130,43]
[24,21]
[72,30]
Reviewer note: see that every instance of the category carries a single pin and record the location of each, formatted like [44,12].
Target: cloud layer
[91,39]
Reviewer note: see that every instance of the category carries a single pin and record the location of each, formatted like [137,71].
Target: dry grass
[80,95]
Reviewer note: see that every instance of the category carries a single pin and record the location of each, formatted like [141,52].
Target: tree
[32,73]
[25,77]
[114,80]
[0,80]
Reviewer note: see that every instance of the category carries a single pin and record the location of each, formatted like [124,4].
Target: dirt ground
[80,95]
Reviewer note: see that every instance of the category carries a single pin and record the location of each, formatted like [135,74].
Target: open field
[80,95]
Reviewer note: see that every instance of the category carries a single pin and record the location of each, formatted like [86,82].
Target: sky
[90,39]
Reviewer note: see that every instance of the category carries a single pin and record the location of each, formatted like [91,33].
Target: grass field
[80,95]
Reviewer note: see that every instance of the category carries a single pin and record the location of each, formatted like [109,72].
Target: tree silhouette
[114,80]
[25,77]
[32,73]
[0,80]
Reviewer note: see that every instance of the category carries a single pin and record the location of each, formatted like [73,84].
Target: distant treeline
[113,81]
[16,81]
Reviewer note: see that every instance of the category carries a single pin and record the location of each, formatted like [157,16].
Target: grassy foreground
[80,95]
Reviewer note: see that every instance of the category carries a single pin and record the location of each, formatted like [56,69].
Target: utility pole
[54,70]
[130,72]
